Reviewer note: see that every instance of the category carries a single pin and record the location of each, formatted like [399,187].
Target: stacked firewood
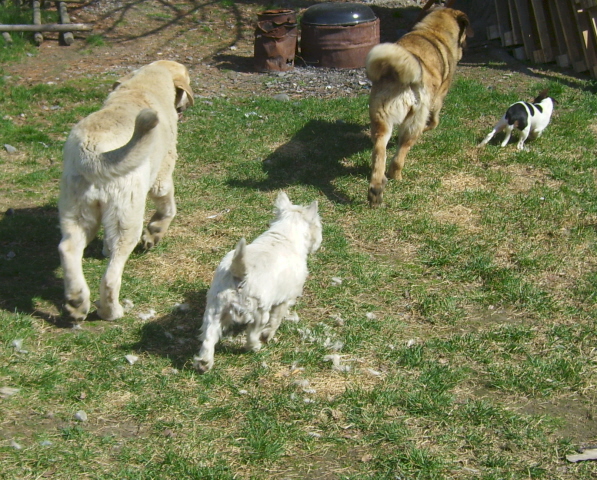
[543,31]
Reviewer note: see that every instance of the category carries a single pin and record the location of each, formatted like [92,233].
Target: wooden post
[37,37]
[67,37]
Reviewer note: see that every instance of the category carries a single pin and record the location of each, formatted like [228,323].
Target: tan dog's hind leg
[433,120]
[76,292]
[380,134]
[406,141]
[161,219]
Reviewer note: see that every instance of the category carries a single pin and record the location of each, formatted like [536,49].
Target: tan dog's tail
[126,158]
[393,61]
[238,267]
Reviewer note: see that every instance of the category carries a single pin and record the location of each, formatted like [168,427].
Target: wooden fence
[543,31]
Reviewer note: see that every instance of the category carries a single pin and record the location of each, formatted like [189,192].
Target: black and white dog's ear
[543,94]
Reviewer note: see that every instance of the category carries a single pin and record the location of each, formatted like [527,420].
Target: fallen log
[47,27]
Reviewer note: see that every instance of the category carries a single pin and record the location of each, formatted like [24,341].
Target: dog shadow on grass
[176,335]
[30,281]
[29,263]
[318,154]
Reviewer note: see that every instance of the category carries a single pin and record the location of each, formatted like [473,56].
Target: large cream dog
[113,159]
[410,81]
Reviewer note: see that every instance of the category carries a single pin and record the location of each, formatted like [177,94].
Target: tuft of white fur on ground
[336,362]
[127,305]
[147,316]
[132,359]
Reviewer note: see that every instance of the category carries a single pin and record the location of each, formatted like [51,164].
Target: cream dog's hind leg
[162,195]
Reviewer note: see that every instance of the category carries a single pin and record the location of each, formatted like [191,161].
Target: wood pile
[543,31]
[64,27]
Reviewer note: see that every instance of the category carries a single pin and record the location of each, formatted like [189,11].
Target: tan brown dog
[410,81]
[114,159]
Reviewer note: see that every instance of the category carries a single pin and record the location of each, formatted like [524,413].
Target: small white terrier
[530,118]
[255,285]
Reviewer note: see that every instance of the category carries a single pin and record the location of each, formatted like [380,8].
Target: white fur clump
[336,362]
[147,316]
[255,285]
[132,359]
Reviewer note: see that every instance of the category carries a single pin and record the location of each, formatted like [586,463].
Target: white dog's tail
[238,267]
[393,61]
[122,160]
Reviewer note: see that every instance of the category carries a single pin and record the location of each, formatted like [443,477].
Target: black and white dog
[530,118]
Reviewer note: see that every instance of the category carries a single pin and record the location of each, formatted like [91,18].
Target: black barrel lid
[338,14]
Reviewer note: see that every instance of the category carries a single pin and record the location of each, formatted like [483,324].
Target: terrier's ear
[282,202]
[312,209]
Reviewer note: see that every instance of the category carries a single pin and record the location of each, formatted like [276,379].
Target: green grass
[466,311]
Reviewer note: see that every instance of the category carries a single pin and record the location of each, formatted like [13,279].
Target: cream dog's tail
[122,160]
[393,61]
[238,267]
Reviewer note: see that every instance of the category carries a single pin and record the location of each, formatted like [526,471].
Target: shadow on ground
[316,155]
[29,262]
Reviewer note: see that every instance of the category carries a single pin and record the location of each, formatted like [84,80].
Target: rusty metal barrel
[276,35]
[338,35]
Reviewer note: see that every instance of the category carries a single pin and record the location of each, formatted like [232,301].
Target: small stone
[6,392]
[45,443]
[15,445]
[281,97]
[81,416]
[10,148]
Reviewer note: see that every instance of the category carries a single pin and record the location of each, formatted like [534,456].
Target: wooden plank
[516,31]
[590,49]
[542,30]
[573,47]
[504,25]
[522,10]
[592,21]
[47,27]
[492,32]
[557,33]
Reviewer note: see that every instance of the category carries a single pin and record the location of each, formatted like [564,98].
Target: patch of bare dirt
[214,40]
